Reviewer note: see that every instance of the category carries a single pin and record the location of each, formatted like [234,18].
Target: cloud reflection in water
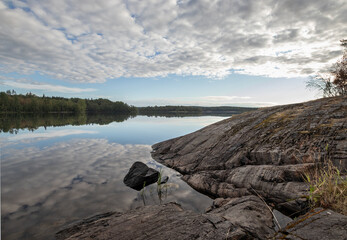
[46,188]
[50,134]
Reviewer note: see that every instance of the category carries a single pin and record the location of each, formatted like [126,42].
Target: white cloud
[46,87]
[223,98]
[91,41]
[241,101]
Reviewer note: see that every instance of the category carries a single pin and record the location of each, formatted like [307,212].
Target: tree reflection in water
[13,123]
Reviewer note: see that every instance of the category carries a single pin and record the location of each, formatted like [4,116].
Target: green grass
[161,188]
[328,188]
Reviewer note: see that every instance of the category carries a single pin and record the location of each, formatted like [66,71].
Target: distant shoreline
[12,103]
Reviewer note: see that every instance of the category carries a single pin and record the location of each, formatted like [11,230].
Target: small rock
[282,219]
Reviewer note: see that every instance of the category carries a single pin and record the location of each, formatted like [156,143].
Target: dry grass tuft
[328,189]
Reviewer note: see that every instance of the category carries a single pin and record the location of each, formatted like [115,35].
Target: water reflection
[53,176]
[49,134]
[44,188]
[155,194]
[13,123]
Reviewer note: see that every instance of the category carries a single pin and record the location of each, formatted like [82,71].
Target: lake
[58,169]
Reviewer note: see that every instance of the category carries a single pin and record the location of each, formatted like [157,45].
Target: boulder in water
[140,175]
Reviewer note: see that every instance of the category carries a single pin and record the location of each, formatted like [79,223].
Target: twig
[276,221]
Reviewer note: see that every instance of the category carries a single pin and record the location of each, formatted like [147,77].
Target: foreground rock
[152,222]
[140,175]
[170,221]
[239,218]
[318,224]
[261,152]
[248,215]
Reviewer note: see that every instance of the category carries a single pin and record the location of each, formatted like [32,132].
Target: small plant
[143,196]
[159,177]
[327,188]
[143,188]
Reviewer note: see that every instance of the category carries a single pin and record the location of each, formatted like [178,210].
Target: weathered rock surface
[318,224]
[263,151]
[249,214]
[167,221]
[238,218]
[170,221]
[140,175]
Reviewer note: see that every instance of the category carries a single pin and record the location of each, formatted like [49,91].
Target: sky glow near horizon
[211,53]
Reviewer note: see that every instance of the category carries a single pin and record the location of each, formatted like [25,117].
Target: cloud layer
[203,101]
[92,41]
[44,87]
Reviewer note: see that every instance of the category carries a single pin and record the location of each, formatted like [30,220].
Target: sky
[168,52]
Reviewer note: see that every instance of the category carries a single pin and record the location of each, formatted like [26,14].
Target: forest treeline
[13,103]
[189,110]
[168,109]
[10,102]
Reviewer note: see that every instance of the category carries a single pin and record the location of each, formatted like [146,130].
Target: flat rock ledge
[238,218]
[170,221]
[167,221]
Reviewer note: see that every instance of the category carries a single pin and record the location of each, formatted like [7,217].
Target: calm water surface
[54,176]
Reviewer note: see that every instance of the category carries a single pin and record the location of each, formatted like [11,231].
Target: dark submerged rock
[140,175]
[164,180]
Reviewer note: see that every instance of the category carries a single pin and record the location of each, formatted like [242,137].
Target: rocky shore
[252,164]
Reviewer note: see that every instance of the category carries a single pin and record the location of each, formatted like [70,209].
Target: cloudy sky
[198,52]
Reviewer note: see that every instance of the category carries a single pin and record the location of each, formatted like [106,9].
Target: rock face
[261,152]
[140,175]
